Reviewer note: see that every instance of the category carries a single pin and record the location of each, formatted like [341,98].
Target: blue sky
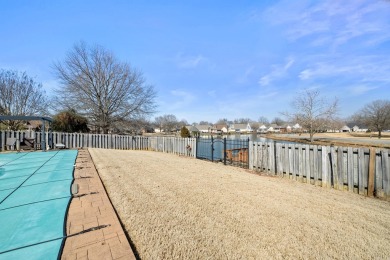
[215,59]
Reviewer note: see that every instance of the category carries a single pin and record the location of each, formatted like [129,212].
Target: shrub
[184,132]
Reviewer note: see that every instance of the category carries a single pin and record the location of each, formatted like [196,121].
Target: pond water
[252,137]
[212,147]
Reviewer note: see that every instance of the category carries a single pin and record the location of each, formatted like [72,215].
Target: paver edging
[93,228]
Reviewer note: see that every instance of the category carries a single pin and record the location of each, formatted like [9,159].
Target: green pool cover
[35,191]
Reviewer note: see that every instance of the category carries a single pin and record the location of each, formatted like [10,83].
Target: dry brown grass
[181,208]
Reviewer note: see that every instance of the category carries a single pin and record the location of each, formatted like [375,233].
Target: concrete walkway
[93,229]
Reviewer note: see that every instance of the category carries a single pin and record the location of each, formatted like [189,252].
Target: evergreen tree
[69,121]
[185,132]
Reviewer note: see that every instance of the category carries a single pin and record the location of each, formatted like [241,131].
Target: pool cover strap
[72,235]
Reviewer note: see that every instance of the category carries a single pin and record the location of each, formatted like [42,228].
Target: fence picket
[300,163]
[340,168]
[386,172]
[361,169]
[307,163]
[315,164]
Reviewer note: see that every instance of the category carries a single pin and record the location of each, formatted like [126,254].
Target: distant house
[359,129]
[273,128]
[296,128]
[262,129]
[345,129]
[221,128]
[285,129]
[204,128]
[194,131]
[240,128]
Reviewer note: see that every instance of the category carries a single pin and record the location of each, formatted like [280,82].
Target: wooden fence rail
[180,146]
[360,170]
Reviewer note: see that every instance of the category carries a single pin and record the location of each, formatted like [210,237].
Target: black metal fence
[228,151]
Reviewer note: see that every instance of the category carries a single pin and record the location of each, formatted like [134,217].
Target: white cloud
[278,71]
[332,23]
[211,93]
[244,78]
[327,70]
[359,90]
[360,68]
[190,62]
[182,99]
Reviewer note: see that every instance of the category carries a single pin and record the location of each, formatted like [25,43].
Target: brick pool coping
[91,210]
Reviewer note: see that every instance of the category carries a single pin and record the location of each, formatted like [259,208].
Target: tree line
[312,111]
[94,86]
[102,94]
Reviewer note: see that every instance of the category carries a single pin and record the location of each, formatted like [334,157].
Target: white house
[358,129]
[296,127]
[240,128]
[204,128]
[345,129]
[221,128]
[273,128]
[262,129]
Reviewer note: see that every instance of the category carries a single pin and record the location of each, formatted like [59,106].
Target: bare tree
[170,122]
[312,111]
[263,120]
[20,95]
[100,87]
[375,115]
[137,126]
[254,125]
[166,122]
[336,124]
[242,120]
[159,123]
[278,121]
[222,121]
[183,122]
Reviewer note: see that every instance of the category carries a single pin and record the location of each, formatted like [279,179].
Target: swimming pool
[35,192]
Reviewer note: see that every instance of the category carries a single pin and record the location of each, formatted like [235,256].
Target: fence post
[360,170]
[250,155]
[2,140]
[350,169]
[224,151]
[371,173]
[333,168]
[324,156]
[275,161]
[340,168]
[386,173]
[212,149]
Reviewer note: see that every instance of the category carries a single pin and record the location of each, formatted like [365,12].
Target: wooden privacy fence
[19,135]
[180,146]
[360,170]
[175,145]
